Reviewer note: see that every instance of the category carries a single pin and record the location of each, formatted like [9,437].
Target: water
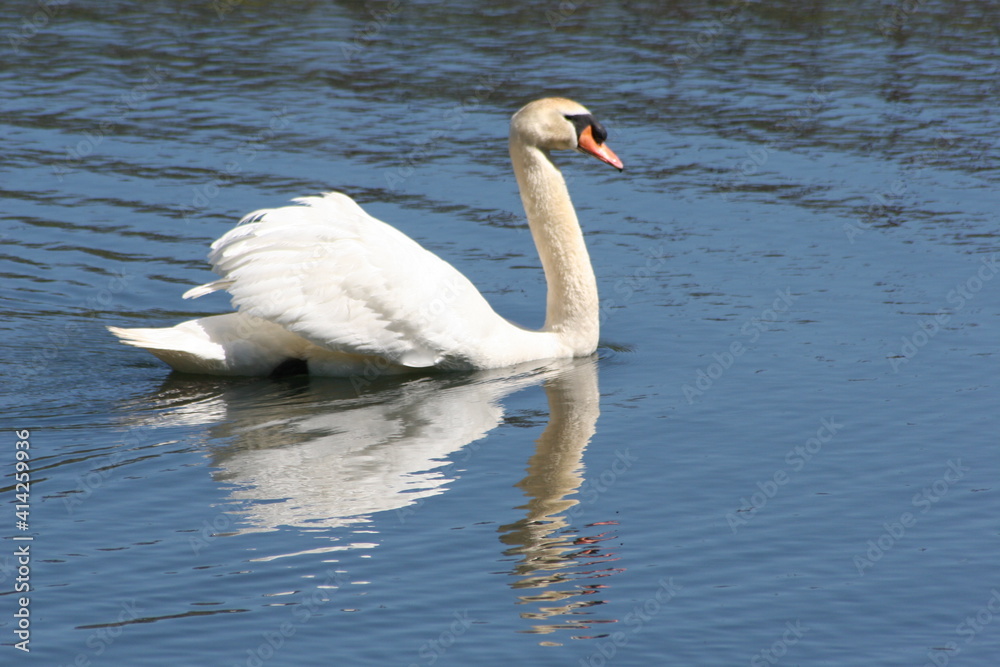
[784,452]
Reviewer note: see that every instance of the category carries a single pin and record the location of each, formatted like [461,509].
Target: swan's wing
[331,273]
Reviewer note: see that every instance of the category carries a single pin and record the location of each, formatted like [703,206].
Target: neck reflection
[559,566]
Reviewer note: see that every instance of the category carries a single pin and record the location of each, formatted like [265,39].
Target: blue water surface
[784,452]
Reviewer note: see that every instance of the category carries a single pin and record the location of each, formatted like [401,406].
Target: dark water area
[784,452]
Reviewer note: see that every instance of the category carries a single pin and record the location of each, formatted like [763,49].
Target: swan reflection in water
[319,454]
[554,557]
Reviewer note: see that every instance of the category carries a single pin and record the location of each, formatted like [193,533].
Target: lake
[784,452]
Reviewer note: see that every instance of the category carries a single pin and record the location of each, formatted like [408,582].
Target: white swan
[327,289]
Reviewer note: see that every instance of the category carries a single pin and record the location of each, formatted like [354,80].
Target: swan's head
[556,123]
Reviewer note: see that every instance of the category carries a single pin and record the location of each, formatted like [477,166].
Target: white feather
[343,280]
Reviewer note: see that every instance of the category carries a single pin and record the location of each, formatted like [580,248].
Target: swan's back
[326,270]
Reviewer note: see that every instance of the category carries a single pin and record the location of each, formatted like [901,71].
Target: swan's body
[323,287]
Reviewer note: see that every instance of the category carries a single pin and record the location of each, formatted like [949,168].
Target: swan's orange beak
[588,144]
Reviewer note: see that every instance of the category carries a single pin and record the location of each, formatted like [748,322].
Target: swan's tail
[231,344]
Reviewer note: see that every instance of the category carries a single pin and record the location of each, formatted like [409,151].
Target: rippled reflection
[559,568]
[317,454]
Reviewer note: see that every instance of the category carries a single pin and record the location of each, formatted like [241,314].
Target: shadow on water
[317,454]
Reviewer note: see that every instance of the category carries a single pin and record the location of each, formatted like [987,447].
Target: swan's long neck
[572,307]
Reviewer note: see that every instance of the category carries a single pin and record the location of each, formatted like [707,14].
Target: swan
[321,287]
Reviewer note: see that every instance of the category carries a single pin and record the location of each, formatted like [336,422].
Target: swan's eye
[600,134]
[583,121]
